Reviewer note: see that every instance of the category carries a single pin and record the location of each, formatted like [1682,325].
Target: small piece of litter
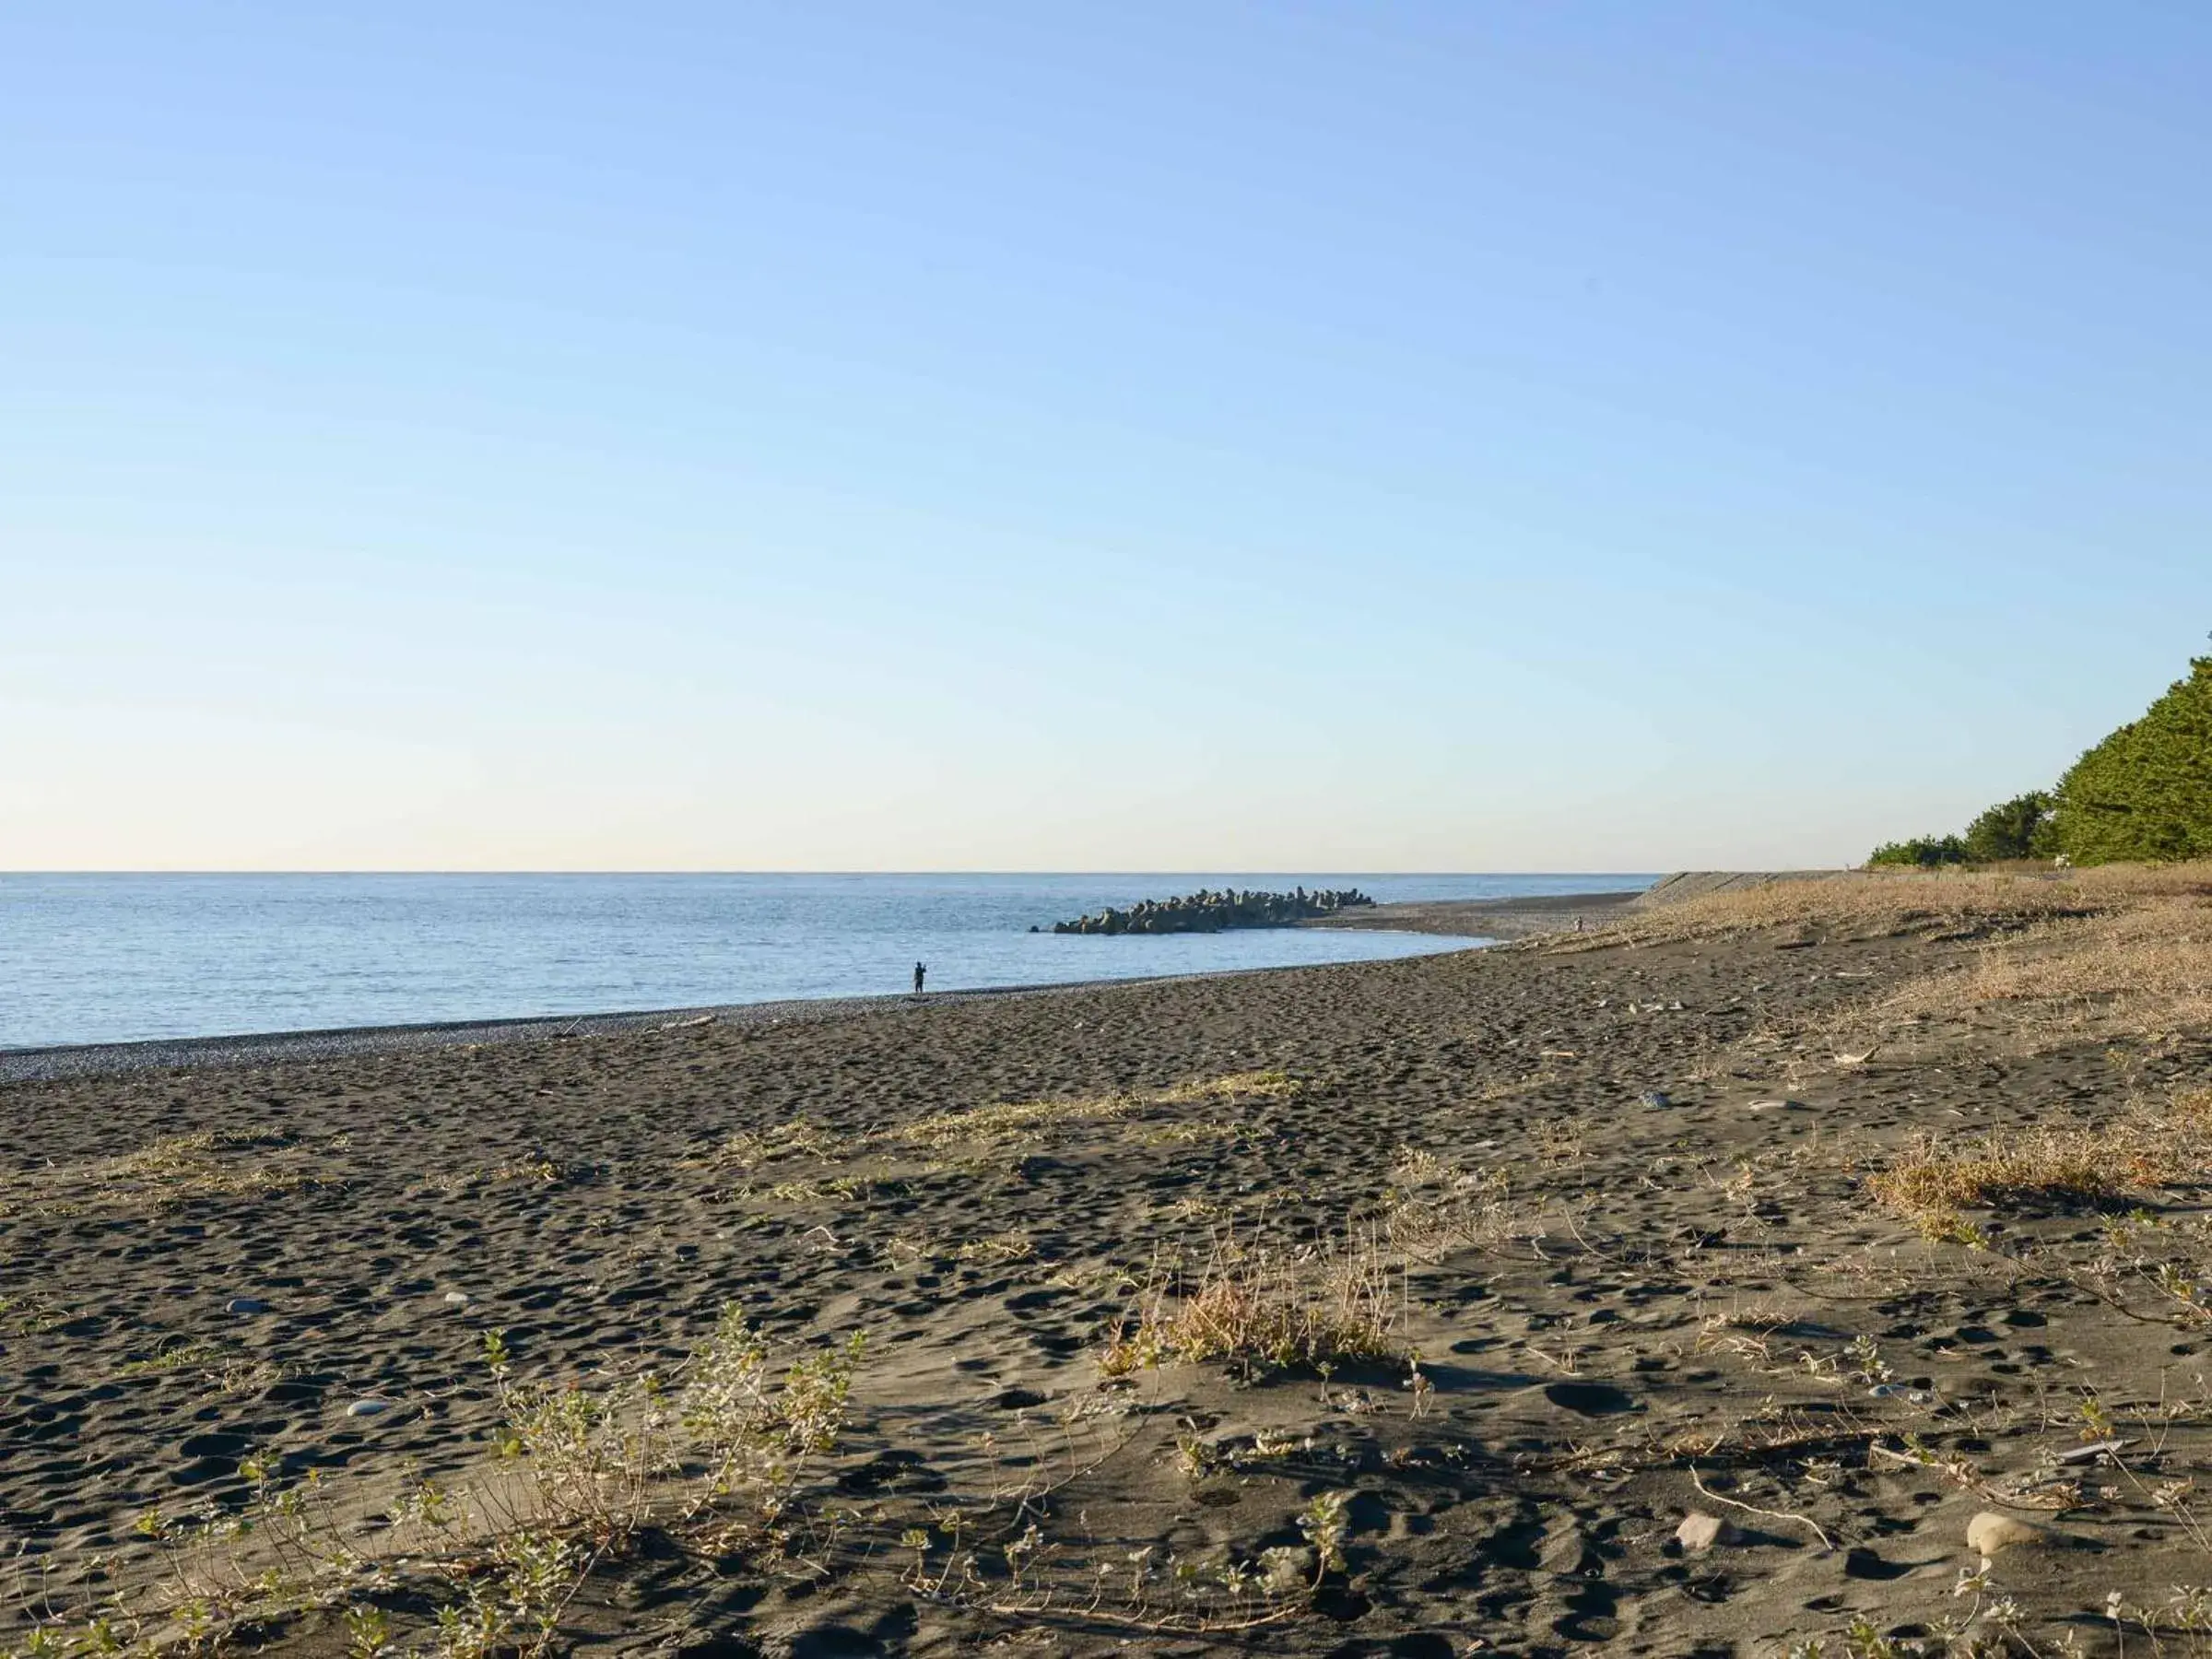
[2083,1453]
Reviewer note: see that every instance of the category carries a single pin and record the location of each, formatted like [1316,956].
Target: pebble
[245,1304]
[1700,1532]
[368,1407]
[1989,1532]
[1654,1098]
[1897,1391]
[456,1298]
[1775,1106]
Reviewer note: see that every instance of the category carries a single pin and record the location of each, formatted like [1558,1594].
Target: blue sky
[1441,436]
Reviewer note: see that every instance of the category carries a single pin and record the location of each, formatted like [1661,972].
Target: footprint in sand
[1590,1399]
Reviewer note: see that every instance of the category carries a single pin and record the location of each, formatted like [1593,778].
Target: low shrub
[1926,851]
[2020,827]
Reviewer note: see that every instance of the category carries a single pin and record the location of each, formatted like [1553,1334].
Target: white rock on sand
[1988,1533]
[1700,1532]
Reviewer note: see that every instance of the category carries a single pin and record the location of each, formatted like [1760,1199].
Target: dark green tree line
[2144,795]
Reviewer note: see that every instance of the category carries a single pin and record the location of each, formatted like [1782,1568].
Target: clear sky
[1157,435]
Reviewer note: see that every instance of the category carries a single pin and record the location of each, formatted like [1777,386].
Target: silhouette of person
[920,969]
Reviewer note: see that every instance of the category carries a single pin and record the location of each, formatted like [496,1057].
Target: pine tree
[2013,829]
[2145,793]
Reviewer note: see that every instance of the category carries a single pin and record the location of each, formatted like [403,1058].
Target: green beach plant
[1925,851]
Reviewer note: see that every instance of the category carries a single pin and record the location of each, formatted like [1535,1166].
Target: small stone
[1900,1391]
[368,1407]
[1700,1532]
[1989,1532]
[1775,1106]
[456,1298]
[245,1304]
[1655,1097]
[2093,1453]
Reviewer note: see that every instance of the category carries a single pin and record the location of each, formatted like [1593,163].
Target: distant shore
[1495,919]
[1526,918]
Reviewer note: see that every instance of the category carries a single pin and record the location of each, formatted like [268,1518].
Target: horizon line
[785,870]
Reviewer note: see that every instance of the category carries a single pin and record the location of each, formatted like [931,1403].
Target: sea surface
[120,958]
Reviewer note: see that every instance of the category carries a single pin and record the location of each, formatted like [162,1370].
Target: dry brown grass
[2045,1162]
[2143,972]
[208,1164]
[1434,1205]
[2140,1150]
[1250,1084]
[800,1137]
[1010,1121]
[2055,956]
[1882,903]
[984,1131]
[1265,1306]
[1018,1121]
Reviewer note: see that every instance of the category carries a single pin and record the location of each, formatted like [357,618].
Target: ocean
[121,958]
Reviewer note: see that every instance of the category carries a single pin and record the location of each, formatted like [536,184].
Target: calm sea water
[109,958]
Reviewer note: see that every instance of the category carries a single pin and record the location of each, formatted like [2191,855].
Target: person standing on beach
[921,969]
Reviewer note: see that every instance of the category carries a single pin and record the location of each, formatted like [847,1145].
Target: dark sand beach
[1599,1207]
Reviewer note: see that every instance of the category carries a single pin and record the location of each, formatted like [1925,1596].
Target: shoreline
[1478,923]
[68,1062]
